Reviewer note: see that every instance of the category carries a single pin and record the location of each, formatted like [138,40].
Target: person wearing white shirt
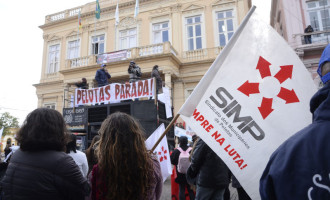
[78,156]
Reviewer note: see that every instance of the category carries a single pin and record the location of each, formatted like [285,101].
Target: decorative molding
[176,7]
[194,8]
[54,38]
[222,2]
[127,22]
[72,33]
[158,17]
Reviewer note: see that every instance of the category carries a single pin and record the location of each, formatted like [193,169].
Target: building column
[90,82]
[40,100]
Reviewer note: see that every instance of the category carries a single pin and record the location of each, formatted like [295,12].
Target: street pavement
[166,194]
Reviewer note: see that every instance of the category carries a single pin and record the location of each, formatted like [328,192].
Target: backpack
[184,162]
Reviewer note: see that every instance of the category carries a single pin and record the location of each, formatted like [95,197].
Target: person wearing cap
[102,75]
[300,167]
[134,72]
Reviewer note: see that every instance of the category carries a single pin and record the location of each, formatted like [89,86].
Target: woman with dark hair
[78,156]
[125,169]
[90,153]
[41,169]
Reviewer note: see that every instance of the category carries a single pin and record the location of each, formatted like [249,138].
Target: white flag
[136,8]
[117,15]
[161,151]
[254,96]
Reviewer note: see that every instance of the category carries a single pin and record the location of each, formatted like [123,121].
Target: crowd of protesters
[117,165]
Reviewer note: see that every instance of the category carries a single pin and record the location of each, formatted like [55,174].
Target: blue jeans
[203,193]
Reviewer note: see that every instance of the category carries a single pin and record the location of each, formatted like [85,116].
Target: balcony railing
[317,37]
[201,54]
[80,62]
[74,11]
[62,15]
[133,53]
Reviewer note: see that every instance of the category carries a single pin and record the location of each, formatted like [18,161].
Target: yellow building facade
[183,37]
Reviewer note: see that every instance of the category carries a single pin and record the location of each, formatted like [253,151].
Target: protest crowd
[119,166]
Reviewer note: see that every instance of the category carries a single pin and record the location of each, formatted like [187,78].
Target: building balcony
[313,41]
[201,54]
[126,54]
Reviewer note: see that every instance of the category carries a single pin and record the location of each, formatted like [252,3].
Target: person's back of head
[72,144]
[124,161]
[43,129]
[183,141]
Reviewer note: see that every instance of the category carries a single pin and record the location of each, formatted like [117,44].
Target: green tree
[7,121]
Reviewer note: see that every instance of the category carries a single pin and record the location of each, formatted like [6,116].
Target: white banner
[254,96]
[114,92]
[178,132]
[161,151]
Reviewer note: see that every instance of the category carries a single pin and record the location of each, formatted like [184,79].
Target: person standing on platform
[159,83]
[82,84]
[102,75]
[134,72]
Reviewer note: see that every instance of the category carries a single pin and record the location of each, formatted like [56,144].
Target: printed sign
[114,92]
[75,117]
[112,57]
[254,96]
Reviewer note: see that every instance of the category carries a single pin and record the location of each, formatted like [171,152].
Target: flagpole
[116,24]
[166,130]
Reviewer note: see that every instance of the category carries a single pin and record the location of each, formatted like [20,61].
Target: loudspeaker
[146,112]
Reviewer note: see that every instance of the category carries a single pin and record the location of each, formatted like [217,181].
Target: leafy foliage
[8,121]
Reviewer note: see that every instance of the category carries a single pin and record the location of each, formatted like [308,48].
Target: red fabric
[175,187]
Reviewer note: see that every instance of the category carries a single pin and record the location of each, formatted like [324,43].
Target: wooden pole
[166,130]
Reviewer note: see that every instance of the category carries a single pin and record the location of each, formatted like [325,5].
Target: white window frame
[50,105]
[128,37]
[194,38]
[161,30]
[225,32]
[53,63]
[75,49]
[318,8]
[188,92]
[98,35]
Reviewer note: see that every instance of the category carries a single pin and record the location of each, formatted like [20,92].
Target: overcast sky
[22,45]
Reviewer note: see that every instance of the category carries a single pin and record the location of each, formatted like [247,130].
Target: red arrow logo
[289,96]
[266,107]
[263,67]
[249,88]
[284,73]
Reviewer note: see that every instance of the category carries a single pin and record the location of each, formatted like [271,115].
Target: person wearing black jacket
[41,169]
[181,178]
[102,75]
[83,84]
[211,172]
